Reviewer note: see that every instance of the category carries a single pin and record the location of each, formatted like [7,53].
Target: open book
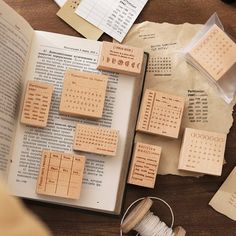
[35,55]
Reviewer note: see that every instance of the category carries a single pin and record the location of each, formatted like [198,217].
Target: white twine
[151,225]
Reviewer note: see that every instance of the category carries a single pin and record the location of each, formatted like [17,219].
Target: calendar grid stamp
[60,174]
[83,94]
[215,52]
[161,113]
[36,105]
[202,152]
[95,139]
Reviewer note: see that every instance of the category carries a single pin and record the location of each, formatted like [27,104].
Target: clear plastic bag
[213,53]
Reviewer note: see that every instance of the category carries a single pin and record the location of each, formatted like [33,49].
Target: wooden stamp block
[36,105]
[60,174]
[144,165]
[160,113]
[121,59]
[215,52]
[202,151]
[95,139]
[83,94]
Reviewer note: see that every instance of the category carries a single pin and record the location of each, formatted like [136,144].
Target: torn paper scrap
[224,201]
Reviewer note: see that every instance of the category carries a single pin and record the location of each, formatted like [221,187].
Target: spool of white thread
[146,223]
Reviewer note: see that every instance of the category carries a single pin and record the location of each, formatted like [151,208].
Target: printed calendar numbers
[202,151]
[95,139]
[60,174]
[36,105]
[215,52]
[144,165]
[161,113]
[114,17]
[198,106]
[83,94]
[121,59]
[160,65]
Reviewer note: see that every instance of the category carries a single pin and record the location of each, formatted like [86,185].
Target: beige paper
[67,13]
[114,17]
[168,72]
[224,201]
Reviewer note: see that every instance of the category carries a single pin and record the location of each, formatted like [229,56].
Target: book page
[53,54]
[224,201]
[169,72]
[15,39]
[60,3]
[115,17]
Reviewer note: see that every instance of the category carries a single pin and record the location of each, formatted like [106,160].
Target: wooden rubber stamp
[83,94]
[202,151]
[144,165]
[138,218]
[60,174]
[160,113]
[121,59]
[36,105]
[95,139]
[215,52]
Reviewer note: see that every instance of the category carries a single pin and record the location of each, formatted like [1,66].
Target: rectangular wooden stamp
[160,113]
[95,139]
[83,94]
[202,151]
[215,52]
[60,174]
[36,105]
[121,59]
[144,165]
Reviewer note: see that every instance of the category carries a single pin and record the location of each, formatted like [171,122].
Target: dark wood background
[189,197]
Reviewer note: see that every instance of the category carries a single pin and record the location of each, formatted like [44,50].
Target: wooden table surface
[189,197]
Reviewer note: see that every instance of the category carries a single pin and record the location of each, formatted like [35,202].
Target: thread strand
[151,225]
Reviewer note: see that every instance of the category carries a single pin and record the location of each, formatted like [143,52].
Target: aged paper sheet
[114,17]
[224,201]
[67,13]
[168,72]
[60,3]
